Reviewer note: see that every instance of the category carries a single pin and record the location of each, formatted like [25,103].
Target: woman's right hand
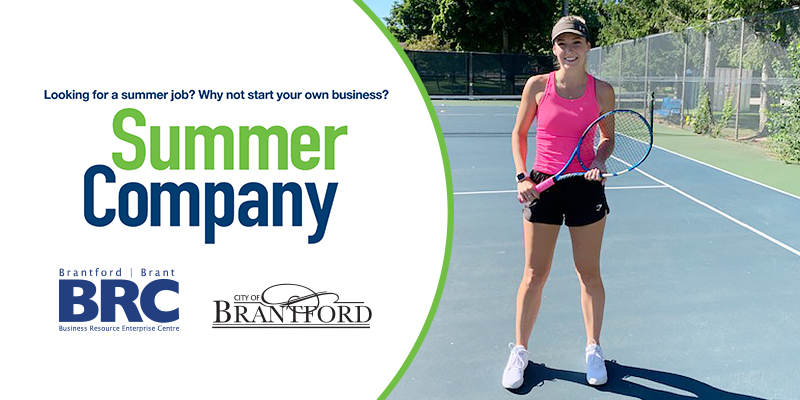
[526,191]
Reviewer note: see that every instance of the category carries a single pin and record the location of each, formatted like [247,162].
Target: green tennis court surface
[701,269]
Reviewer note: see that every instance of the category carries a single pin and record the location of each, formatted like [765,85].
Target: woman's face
[570,50]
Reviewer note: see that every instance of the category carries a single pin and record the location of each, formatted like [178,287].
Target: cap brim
[575,31]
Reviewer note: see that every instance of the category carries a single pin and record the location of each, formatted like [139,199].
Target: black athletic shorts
[575,201]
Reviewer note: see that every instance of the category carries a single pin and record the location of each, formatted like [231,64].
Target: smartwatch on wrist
[521,176]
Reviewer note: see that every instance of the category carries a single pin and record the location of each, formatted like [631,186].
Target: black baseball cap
[572,25]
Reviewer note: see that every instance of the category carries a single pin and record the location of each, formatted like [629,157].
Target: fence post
[600,62]
[619,77]
[683,81]
[739,86]
[646,64]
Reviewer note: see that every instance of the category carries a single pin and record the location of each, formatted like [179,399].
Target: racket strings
[632,140]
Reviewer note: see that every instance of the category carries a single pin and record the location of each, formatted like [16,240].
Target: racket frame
[560,175]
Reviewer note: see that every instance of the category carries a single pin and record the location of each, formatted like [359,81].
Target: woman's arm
[519,136]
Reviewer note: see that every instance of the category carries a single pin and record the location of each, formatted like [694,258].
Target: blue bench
[669,107]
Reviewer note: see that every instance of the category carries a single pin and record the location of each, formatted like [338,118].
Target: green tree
[428,42]
[411,20]
[631,19]
[772,32]
[784,120]
[702,118]
[508,26]
[727,114]
[590,11]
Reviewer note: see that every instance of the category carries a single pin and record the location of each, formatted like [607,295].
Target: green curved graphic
[449,188]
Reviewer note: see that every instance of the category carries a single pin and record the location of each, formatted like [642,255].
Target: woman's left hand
[597,168]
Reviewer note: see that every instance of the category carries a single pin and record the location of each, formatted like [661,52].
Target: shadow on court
[537,374]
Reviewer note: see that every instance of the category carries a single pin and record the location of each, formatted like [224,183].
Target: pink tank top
[560,123]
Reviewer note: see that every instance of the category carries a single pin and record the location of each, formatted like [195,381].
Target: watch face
[520,176]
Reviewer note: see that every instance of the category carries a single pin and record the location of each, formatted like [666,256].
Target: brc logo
[109,301]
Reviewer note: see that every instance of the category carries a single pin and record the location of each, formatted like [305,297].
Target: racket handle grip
[545,185]
[539,188]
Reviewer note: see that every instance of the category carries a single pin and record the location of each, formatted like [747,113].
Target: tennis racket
[633,140]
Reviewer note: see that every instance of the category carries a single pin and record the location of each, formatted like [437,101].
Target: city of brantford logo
[289,305]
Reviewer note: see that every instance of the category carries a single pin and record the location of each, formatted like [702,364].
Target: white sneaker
[514,373]
[595,365]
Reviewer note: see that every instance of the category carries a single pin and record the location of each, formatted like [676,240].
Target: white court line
[712,208]
[607,188]
[485,192]
[728,172]
[714,167]
[706,205]
[635,187]
[682,193]
[444,114]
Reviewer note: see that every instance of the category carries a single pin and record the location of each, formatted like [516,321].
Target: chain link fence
[741,63]
[476,74]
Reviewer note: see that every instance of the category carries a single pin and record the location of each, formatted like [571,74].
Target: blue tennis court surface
[702,277]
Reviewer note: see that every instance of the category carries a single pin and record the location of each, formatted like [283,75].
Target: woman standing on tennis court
[564,102]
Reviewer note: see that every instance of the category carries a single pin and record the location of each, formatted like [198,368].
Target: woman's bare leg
[586,241]
[540,243]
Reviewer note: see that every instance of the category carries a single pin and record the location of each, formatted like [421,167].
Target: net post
[470,75]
